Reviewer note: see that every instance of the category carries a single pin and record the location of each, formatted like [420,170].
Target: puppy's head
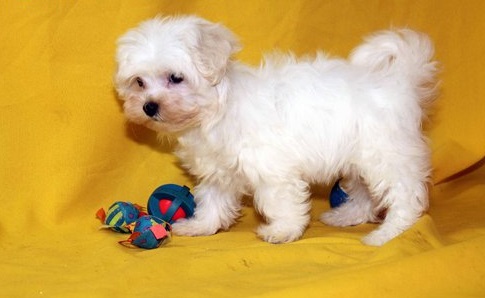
[168,71]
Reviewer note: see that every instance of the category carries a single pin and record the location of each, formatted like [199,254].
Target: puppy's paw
[193,227]
[377,238]
[339,218]
[277,233]
[351,213]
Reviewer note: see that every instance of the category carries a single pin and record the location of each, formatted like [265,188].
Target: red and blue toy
[148,232]
[171,202]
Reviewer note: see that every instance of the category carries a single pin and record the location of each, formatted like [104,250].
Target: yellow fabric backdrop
[65,151]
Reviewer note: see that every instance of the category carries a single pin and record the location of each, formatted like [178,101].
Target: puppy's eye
[140,82]
[175,79]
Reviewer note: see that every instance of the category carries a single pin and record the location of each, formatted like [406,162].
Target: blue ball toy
[171,202]
[337,195]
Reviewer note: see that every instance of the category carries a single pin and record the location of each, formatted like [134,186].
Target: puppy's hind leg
[405,204]
[285,206]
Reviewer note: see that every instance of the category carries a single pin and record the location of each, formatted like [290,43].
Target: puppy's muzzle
[150,108]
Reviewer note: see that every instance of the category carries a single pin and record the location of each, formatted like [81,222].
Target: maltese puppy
[273,130]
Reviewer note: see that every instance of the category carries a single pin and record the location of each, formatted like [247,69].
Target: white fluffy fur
[273,130]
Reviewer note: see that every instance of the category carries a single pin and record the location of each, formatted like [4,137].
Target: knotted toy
[148,232]
[171,202]
[337,195]
[119,215]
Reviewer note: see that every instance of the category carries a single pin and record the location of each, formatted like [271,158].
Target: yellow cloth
[65,151]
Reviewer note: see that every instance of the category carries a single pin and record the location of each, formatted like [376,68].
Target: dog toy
[166,204]
[171,202]
[148,232]
[119,215]
[337,195]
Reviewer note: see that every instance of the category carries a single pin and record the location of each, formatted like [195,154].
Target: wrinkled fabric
[66,151]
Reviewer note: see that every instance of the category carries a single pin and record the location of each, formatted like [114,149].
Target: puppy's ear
[214,49]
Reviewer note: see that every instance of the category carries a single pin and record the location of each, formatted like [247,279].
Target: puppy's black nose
[150,108]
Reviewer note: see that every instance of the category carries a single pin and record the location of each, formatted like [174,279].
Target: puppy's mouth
[171,118]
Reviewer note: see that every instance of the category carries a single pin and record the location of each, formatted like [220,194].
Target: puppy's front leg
[285,206]
[217,207]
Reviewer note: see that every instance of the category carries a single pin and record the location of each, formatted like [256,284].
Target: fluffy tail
[403,54]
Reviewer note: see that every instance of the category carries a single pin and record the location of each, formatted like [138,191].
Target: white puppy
[273,130]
